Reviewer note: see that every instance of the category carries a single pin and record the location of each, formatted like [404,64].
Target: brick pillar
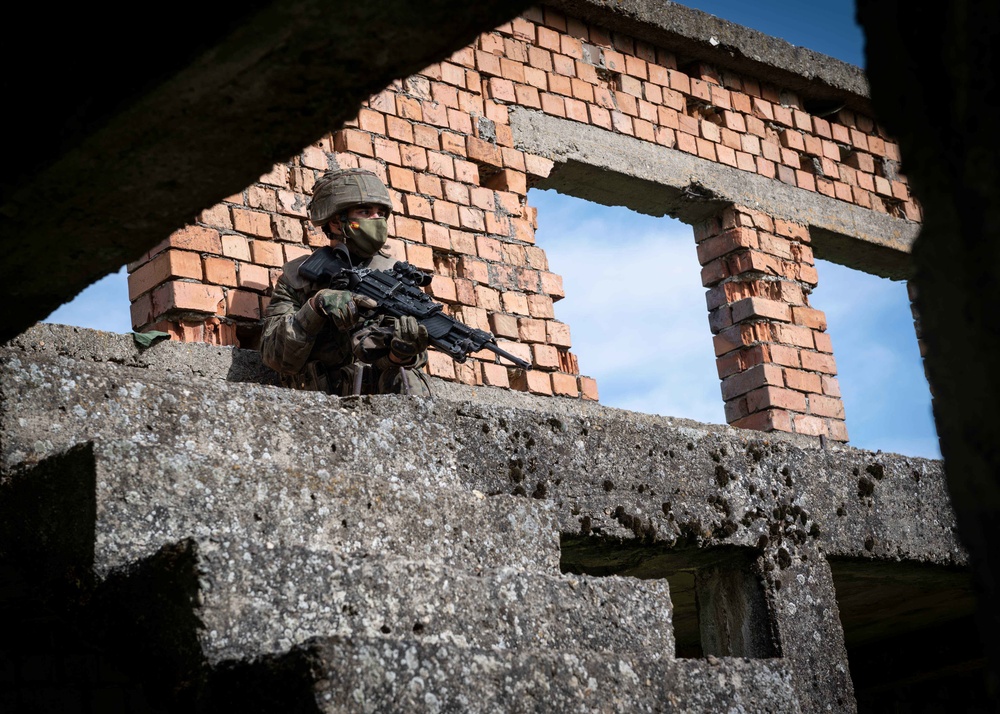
[772,351]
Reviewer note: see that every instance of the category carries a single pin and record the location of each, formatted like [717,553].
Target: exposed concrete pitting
[294,542]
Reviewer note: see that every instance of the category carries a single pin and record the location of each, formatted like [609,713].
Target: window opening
[717,594]
[634,304]
[886,396]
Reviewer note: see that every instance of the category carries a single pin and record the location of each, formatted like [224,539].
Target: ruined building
[179,534]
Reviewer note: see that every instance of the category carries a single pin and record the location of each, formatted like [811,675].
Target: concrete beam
[616,170]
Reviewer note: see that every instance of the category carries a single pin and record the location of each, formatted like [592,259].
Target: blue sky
[647,342]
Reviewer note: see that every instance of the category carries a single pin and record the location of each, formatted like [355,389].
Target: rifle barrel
[507,355]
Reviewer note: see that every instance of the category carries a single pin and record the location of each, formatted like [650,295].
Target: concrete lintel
[694,34]
[659,181]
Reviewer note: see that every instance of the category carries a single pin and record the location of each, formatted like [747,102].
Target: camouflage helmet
[340,189]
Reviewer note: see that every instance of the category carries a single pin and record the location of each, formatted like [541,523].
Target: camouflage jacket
[308,352]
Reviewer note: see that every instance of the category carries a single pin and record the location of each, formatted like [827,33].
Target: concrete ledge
[376,675]
[617,170]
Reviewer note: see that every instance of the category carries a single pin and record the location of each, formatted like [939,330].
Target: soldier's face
[364,210]
[368,211]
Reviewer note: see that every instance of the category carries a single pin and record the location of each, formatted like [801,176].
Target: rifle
[397,292]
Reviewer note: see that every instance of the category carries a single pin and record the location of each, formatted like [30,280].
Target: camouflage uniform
[305,347]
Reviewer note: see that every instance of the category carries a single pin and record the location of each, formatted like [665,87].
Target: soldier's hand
[409,338]
[340,306]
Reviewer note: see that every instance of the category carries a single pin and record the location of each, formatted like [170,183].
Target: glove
[409,338]
[340,306]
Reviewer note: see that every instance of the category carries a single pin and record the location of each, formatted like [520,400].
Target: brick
[266,252]
[825,406]
[754,307]
[792,139]
[540,306]
[552,285]
[482,152]
[732,338]
[421,256]
[217,216]
[588,388]
[758,376]
[508,180]
[495,374]
[440,164]
[823,342]
[785,355]
[809,425]
[253,223]
[818,362]
[353,141]
[287,229]
[768,420]
[219,271]
[622,123]
[565,385]
[263,197]
[745,162]
[242,303]
[802,381]
[533,381]
[503,325]
[293,251]
[196,238]
[794,335]
[783,115]
[194,297]
[443,289]
[472,219]
[440,365]
[141,311]
[726,242]
[726,155]
[809,317]
[765,397]
[253,277]
[794,231]
[515,303]
[167,265]
[837,430]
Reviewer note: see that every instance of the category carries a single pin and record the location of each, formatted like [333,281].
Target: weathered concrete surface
[255,600]
[613,169]
[271,490]
[147,498]
[372,676]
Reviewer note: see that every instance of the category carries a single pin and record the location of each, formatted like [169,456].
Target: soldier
[317,338]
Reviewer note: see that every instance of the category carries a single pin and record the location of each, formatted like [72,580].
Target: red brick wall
[442,141]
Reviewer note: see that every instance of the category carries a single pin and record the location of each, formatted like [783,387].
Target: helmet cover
[340,189]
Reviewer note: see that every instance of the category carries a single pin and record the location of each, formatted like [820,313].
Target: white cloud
[635,306]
